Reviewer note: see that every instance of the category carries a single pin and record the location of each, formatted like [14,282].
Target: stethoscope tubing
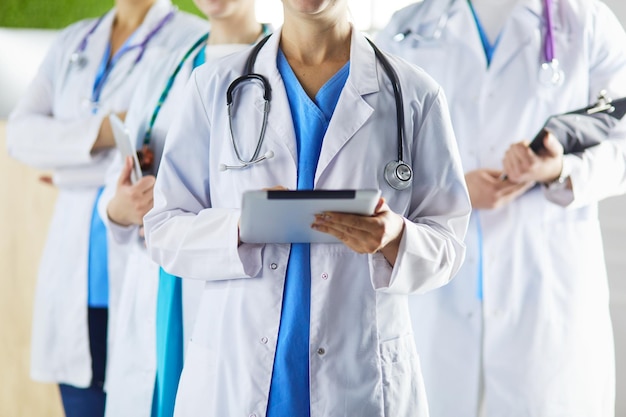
[398,174]
[548,50]
[77,57]
[248,76]
[397,93]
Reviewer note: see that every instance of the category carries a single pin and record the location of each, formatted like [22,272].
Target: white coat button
[264,340]
[321,351]
[324,275]
[253,415]
[273,265]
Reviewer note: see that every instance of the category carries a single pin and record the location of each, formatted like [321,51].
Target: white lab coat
[542,334]
[132,360]
[362,356]
[51,128]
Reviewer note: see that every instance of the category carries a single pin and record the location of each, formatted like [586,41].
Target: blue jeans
[89,402]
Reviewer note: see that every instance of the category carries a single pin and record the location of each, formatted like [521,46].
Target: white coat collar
[364,76]
[527,22]
[518,31]
[432,11]
[515,35]
[362,80]
[265,65]
[155,15]
[456,17]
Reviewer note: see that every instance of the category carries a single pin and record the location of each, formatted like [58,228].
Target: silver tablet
[286,216]
[125,145]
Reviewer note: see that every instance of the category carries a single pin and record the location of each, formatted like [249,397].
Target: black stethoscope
[398,174]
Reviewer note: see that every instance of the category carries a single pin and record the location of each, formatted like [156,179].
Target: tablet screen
[286,216]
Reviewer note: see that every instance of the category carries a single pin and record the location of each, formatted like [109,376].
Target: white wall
[21,51]
[613,220]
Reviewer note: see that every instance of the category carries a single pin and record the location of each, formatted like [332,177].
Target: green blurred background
[56,14]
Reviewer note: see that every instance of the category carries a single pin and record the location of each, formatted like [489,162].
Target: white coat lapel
[524,25]
[527,28]
[153,18]
[126,63]
[97,42]
[460,18]
[94,51]
[352,110]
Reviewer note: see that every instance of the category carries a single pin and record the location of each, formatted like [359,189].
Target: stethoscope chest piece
[551,74]
[78,60]
[398,175]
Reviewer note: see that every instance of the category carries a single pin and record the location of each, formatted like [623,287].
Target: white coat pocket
[403,386]
[197,382]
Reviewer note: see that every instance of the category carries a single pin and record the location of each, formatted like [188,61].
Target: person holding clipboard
[524,329]
[299,329]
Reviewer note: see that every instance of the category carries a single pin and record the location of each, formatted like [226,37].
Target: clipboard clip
[604,104]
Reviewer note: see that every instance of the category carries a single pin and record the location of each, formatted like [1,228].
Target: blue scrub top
[169,331]
[289,390]
[488,47]
[98,260]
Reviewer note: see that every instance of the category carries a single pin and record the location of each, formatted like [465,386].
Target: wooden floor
[25,211]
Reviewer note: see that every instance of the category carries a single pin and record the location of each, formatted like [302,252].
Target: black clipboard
[580,129]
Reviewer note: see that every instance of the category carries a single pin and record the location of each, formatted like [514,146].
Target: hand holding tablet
[281,216]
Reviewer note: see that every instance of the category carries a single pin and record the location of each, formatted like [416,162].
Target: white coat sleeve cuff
[122,234]
[89,176]
[422,263]
[202,246]
[558,193]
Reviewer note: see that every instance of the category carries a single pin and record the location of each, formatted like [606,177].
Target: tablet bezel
[125,146]
[285,216]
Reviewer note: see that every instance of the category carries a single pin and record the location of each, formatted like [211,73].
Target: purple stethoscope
[78,58]
[550,72]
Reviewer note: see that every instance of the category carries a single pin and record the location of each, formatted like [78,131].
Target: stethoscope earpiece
[398,175]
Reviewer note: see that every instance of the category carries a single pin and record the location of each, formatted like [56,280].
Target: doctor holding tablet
[309,328]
